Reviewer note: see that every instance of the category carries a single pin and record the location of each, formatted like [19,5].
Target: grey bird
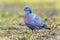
[32,20]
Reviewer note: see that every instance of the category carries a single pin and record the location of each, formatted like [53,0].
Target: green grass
[11,18]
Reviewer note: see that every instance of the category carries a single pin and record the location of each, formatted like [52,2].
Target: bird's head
[27,9]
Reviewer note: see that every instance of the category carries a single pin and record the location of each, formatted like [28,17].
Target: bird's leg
[34,32]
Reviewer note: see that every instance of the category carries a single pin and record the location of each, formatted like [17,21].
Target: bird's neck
[28,13]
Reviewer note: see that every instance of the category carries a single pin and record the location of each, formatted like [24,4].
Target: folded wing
[39,23]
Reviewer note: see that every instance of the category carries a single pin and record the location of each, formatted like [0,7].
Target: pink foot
[34,32]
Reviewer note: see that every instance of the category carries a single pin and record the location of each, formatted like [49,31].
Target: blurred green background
[12,25]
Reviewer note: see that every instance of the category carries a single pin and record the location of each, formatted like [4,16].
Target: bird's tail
[48,28]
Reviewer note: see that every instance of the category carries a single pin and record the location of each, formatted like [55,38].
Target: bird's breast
[27,18]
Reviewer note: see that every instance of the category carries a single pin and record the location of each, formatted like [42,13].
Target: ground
[12,25]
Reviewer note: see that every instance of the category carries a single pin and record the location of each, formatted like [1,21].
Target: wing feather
[38,22]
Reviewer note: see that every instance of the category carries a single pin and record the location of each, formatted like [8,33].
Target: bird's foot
[34,32]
